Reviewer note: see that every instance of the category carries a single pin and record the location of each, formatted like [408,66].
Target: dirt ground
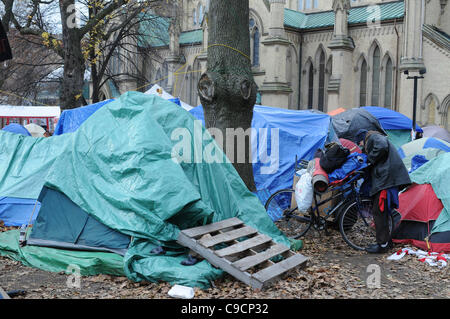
[334,271]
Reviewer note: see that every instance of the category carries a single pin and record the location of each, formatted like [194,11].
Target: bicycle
[350,212]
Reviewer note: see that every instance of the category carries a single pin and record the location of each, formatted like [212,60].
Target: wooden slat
[266,274]
[227,236]
[243,245]
[251,261]
[3,294]
[202,230]
[220,262]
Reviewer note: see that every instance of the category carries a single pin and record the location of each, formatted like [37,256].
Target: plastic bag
[304,192]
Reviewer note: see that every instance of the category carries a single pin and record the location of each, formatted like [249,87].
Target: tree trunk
[227,89]
[73,79]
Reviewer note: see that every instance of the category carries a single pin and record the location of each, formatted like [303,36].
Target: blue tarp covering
[300,134]
[390,119]
[17,129]
[18,211]
[70,120]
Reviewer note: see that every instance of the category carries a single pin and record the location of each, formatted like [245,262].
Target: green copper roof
[155,33]
[300,20]
[191,37]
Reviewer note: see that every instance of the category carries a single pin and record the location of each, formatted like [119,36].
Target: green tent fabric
[62,224]
[399,137]
[437,173]
[120,167]
[57,260]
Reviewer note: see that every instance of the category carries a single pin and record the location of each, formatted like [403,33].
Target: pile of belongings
[114,193]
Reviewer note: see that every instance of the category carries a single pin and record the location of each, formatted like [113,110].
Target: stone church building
[324,54]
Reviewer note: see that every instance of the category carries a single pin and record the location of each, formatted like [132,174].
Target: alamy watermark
[74,279]
[373,280]
[199,147]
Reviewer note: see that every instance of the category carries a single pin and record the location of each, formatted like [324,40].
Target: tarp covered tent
[63,224]
[425,208]
[18,211]
[70,120]
[397,126]
[281,136]
[426,147]
[348,123]
[157,90]
[121,168]
[437,132]
[35,130]
[16,129]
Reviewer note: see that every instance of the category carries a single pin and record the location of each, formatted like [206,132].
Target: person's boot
[379,249]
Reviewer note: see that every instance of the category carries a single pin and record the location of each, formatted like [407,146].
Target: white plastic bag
[304,192]
[183,292]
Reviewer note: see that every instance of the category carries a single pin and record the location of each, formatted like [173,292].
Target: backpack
[334,157]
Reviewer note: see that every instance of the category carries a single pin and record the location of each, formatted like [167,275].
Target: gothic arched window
[376,67]
[310,86]
[321,81]
[363,84]
[388,83]
[254,42]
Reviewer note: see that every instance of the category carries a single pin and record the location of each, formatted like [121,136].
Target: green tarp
[437,173]
[119,168]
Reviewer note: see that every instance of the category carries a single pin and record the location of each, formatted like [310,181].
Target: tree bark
[227,90]
[74,67]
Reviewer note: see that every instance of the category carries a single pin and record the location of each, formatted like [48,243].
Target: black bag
[334,157]
[5,50]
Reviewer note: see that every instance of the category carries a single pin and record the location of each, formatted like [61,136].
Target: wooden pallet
[3,294]
[241,251]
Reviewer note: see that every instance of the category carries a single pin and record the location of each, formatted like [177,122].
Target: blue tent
[390,119]
[70,120]
[300,134]
[18,211]
[17,129]
[397,126]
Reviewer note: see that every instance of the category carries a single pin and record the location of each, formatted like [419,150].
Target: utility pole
[416,79]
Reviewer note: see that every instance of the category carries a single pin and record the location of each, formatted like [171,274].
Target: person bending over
[388,176]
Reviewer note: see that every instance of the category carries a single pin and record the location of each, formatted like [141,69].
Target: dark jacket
[387,168]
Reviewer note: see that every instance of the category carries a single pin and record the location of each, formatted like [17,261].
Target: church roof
[305,21]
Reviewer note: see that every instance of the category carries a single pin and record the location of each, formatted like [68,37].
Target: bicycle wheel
[289,220]
[357,226]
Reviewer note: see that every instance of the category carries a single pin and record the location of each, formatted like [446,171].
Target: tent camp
[120,168]
[16,129]
[437,132]
[281,137]
[422,150]
[157,90]
[70,120]
[425,207]
[397,126]
[35,130]
[347,124]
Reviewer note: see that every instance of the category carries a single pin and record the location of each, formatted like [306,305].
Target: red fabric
[382,200]
[420,203]
[435,247]
[350,145]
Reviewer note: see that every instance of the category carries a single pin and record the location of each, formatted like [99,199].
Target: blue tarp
[300,134]
[70,120]
[17,129]
[390,119]
[18,211]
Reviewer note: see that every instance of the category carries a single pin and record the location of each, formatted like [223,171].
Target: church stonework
[325,54]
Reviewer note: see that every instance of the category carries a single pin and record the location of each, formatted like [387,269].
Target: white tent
[35,130]
[157,90]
